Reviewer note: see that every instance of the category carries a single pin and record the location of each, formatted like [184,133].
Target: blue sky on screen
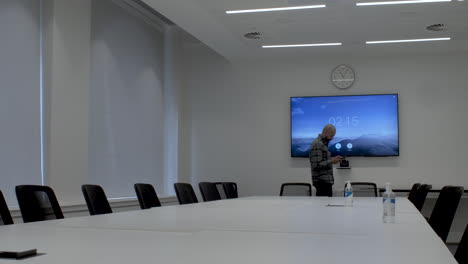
[353,116]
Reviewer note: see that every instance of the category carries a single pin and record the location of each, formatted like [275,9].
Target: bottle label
[389,207]
[348,194]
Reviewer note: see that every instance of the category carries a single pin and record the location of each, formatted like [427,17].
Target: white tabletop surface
[247,230]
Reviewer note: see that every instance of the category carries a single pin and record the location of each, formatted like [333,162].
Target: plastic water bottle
[388,204]
[348,195]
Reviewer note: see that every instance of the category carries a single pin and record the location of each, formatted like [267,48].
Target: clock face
[342,77]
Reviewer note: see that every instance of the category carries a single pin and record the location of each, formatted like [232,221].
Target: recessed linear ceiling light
[301,45]
[405,40]
[274,9]
[401,2]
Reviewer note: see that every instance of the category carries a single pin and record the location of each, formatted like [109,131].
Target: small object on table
[18,254]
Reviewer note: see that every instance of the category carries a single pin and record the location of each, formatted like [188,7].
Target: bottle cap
[388,187]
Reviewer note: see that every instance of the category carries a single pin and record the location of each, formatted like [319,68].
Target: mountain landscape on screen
[366,145]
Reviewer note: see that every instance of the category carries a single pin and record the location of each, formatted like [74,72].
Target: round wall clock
[342,77]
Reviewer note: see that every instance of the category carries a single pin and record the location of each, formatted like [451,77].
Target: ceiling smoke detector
[437,27]
[253,35]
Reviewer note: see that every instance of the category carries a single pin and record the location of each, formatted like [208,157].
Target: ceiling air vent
[436,27]
[253,35]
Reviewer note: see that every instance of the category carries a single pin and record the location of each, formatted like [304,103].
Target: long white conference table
[273,230]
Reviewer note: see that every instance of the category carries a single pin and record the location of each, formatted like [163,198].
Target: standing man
[321,162]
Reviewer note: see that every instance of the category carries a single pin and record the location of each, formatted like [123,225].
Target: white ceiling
[340,21]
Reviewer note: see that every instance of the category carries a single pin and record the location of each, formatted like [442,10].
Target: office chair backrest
[412,193]
[147,197]
[363,189]
[38,203]
[219,186]
[96,199]
[230,189]
[461,255]
[420,196]
[296,189]
[209,191]
[444,210]
[185,193]
[5,216]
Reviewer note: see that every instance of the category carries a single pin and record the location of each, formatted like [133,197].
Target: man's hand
[336,159]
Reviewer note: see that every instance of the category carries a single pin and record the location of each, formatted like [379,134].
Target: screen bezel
[398,122]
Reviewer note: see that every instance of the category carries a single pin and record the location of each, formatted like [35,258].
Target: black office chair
[444,210]
[209,191]
[38,203]
[420,196]
[5,216]
[230,189]
[147,196]
[461,255]
[185,193]
[412,193]
[363,189]
[96,199]
[296,189]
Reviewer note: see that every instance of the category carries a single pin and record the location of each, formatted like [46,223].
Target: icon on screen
[338,146]
[350,146]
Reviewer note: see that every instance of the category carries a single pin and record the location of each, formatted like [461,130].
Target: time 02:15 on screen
[348,121]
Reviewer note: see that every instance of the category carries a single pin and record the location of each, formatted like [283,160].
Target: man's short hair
[328,128]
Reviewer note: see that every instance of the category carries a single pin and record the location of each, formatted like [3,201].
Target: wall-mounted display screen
[366,125]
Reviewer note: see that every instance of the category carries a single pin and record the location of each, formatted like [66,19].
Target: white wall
[239,118]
